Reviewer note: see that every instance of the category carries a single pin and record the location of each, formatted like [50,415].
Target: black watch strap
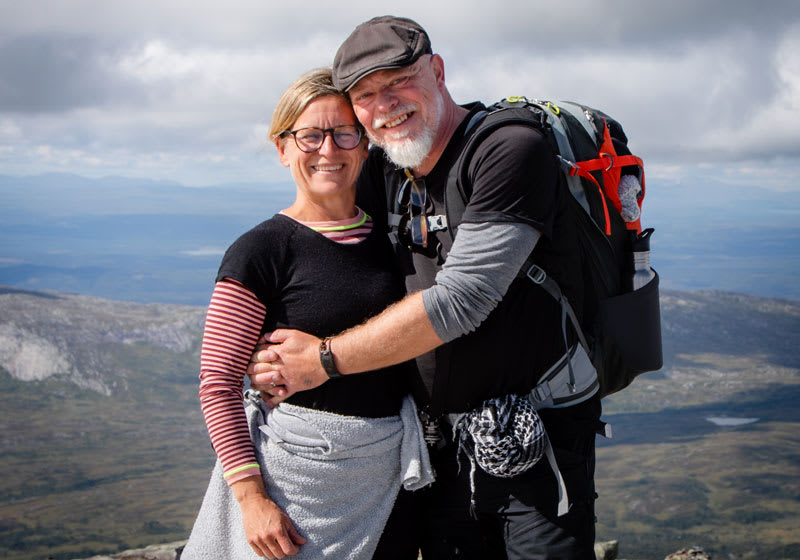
[326,357]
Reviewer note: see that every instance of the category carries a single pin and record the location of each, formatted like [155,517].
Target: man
[478,329]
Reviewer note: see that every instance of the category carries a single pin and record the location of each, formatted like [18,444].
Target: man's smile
[397,122]
[393,120]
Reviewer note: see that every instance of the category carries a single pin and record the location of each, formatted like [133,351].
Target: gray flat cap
[381,43]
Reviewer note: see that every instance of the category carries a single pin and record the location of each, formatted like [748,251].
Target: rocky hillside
[47,334]
[104,437]
[44,334]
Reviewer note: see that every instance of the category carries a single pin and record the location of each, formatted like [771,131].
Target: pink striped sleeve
[233,325]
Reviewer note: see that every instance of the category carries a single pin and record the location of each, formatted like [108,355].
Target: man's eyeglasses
[311,139]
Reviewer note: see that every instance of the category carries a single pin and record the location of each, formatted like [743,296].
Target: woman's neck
[307,211]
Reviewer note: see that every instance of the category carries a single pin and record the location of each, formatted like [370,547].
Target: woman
[319,475]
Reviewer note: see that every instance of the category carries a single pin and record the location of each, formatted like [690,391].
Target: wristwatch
[326,357]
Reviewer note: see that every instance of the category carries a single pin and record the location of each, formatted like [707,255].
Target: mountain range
[105,448]
[155,241]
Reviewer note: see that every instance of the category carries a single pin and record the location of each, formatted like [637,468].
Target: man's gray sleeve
[483,261]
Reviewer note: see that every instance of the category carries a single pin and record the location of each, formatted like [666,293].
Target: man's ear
[437,66]
[281,145]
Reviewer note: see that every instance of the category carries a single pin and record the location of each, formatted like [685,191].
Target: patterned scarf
[504,436]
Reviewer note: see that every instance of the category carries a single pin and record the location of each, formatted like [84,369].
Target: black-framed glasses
[310,139]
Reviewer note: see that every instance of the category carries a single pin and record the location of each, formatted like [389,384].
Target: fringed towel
[336,477]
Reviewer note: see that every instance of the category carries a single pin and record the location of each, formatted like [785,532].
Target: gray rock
[606,550]
[694,553]
[168,551]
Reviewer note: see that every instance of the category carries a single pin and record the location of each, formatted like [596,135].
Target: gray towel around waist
[336,477]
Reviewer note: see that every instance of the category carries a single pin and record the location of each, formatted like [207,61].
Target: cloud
[730,93]
[56,73]
[205,252]
[184,90]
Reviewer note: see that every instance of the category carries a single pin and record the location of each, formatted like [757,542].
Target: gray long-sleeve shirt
[483,261]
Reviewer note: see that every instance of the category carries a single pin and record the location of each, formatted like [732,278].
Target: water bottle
[642,273]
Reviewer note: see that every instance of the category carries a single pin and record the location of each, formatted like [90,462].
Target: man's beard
[410,153]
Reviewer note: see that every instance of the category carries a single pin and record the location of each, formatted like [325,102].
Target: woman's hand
[269,530]
[284,362]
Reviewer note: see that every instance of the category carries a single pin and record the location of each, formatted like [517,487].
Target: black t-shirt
[311,283]
[513,177]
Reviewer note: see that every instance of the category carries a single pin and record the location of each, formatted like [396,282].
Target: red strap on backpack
[610,163]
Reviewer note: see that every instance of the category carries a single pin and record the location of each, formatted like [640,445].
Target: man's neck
[452,116]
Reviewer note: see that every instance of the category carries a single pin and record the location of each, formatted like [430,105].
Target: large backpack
[621,326]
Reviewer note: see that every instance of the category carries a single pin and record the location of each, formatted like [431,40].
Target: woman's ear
[281,145]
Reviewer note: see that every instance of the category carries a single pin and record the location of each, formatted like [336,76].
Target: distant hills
[124,239]
[155,241]
[105,447]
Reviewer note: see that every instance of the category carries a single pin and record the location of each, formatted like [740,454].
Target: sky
[183,90]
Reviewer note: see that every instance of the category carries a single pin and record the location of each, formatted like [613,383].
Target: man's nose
[387,100]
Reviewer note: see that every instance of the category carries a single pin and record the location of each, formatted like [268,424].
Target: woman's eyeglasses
[310,139]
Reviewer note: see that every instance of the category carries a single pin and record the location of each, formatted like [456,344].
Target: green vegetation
[88,473]
[92,474]
[673,479]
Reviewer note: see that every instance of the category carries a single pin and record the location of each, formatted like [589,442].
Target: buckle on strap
[541,396]
[437,223]
[394,220]
[569,166]
[536,274]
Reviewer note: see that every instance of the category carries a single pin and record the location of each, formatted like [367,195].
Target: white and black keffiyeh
[505,436]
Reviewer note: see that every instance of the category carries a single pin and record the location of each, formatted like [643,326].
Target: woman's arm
[232,326]
[233,323]
[269,530]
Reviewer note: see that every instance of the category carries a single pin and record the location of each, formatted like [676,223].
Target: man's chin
[407,153]
[404,158]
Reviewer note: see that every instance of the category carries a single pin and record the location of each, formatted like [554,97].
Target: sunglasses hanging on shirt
[419,223]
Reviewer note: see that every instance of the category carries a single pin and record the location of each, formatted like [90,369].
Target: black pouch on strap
[628,341]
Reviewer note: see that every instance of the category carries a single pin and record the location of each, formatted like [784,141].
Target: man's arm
[483,262]
[401,332]
[485,259]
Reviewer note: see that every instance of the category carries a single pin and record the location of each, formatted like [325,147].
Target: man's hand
[285,362]
[269,530]
[291,358]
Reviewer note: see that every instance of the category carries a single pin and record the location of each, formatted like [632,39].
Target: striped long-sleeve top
[233,324]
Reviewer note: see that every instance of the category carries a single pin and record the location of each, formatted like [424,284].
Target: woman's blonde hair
[307,88]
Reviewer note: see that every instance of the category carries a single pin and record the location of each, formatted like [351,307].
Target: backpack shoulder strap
[458,190]
[504,113]
[562,138]
[456,196]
